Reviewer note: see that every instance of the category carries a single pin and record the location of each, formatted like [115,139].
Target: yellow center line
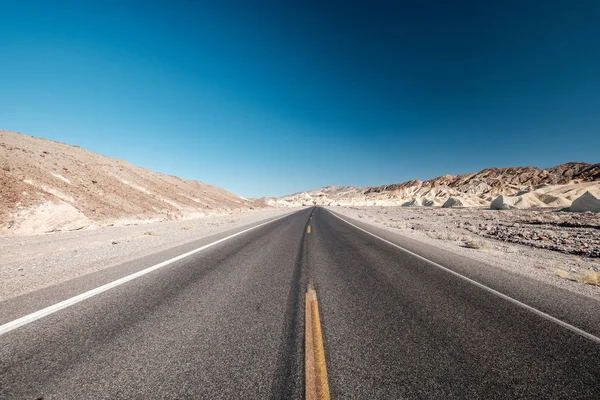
[311,382]
[317,384]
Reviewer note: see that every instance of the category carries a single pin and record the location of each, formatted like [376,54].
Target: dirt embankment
[48,186]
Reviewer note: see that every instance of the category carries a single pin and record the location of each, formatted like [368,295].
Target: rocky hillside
[519,187]
[495,181]
[49,186]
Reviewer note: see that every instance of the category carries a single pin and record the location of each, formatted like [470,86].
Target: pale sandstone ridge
[587,202]
[48,186]
[496,188]
[503,202]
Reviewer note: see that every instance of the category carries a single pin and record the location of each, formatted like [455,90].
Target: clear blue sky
[270,98]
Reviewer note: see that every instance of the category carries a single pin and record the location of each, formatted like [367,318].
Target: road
[228,322]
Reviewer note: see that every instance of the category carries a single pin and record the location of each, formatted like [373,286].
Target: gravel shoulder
[546,245]
[30,263]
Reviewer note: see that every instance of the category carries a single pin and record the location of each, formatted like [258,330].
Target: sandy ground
[545,245]
[30,263]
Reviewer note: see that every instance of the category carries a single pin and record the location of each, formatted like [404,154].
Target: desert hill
[48,186]
[516,187]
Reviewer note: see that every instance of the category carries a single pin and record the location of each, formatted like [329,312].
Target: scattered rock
[570,238]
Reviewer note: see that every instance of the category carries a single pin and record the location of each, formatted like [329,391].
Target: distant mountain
[47,186]
[552,187]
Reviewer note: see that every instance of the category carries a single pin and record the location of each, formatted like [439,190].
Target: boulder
[585,202]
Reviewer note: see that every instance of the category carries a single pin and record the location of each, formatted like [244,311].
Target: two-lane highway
[398,327]
[220,324]
[228,322]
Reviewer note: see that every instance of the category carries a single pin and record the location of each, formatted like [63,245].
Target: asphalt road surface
[228,323]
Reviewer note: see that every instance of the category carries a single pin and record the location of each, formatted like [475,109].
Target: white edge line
[9,326]
[482,286]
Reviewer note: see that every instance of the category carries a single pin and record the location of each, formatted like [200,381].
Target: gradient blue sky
[266,98]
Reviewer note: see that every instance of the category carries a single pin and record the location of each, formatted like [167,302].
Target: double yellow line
[317,386]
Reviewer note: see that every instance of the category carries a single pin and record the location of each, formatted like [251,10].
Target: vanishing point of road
[400,320]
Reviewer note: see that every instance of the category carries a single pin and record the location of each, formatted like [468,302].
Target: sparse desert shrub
[188,227]
[562,274]
[444,236]
[592,278]
[6,168]
[474,244]
[151,233]
[397,226]
[360,216]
